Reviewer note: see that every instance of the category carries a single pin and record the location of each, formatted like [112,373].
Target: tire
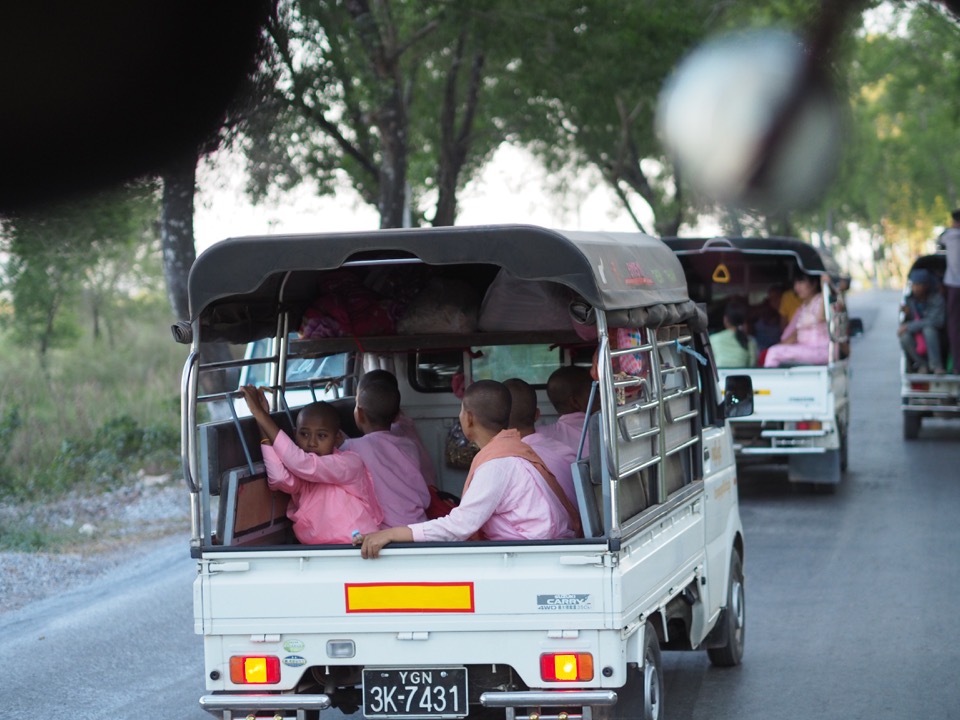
[641,697]
[478,712]
[844,449]
[735,615]
[911,425]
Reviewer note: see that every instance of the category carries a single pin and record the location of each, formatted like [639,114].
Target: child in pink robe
[392,459]
[402,425]
[556,455]
[569,391]
[332,493]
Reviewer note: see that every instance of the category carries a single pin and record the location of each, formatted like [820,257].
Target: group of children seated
[789,328]
[375,489]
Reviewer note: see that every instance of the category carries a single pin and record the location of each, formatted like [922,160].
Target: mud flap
[820,468]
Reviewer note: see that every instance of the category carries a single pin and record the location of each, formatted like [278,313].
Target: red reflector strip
[566,667]
[254,669]
[409,597]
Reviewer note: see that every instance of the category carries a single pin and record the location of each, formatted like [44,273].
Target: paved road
[852,597]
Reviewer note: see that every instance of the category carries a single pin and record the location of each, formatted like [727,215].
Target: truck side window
[532,363]
[433,371]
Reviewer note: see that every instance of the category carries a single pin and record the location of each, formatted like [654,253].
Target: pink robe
[567,430]
[558,457]
[394,465]
[331,495]
[813,339]
[509,500]
[405,427]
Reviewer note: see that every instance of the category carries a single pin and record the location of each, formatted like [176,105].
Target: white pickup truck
[926,395]
[534,630]
[800,413]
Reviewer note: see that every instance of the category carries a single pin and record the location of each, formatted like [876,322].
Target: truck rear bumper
[297,705]
[511,701]
[781,450]
[285,705]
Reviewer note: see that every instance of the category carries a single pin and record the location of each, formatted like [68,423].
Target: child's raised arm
[256,401]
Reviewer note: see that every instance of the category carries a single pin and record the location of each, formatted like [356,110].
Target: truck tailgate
[334,590]
[787,392]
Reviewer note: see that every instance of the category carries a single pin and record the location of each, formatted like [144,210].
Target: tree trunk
[393,165]
[179,252]
[454,141]
[176,232]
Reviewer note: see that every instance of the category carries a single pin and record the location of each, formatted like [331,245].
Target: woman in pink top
[806,339]
[331,492]
[509,494]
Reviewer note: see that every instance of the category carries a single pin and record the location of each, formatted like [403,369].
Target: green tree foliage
[907,84]
[592,82]
[406,100]
[83,254]
[899,176]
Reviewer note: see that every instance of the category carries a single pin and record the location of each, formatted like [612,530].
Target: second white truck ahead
[801,412]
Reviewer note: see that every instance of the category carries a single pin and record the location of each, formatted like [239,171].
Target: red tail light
[254,669]
[566,667]
[810,425]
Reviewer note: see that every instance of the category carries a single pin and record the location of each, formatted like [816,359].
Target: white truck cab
[548,629]
[800,412]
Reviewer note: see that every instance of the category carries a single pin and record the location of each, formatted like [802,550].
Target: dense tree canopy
[901,167]
[405,100]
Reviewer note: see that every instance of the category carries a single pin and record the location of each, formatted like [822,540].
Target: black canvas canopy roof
[811,260]
[237,285]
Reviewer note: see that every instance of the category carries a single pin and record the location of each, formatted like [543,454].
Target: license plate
[415,692]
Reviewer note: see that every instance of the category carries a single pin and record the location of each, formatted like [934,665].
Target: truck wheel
[911,425]
[478,712]
[641,697]
[844,448]
[735,616]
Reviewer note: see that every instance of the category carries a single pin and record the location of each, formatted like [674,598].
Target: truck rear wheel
[911,425]
[844,447]
[641,697]
[735,616]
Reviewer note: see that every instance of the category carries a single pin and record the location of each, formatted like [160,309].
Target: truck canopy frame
[236,286]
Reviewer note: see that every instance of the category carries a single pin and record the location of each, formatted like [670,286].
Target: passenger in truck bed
[733,346]
[805,340]
[509,493]
[568,388]
[393,460]
[524,414]
[331,491]
[919,333]
[402,425]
